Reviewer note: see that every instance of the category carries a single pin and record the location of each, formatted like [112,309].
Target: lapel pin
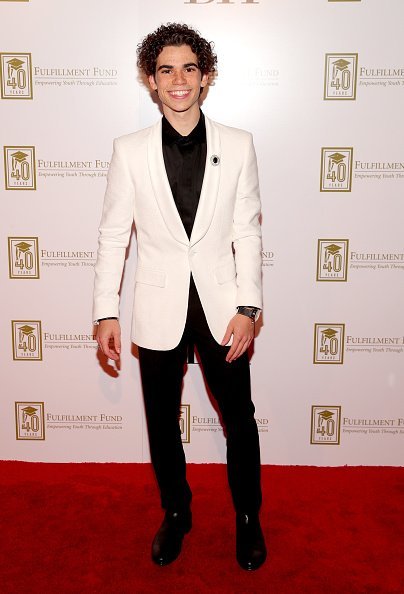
[215,160]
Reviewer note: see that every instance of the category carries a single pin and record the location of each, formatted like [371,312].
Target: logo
[340,76]
[19,167]
[325,425]
[23,257]
[16,76]
[336,169]
[29,420]
[332,259]
[27,340]
[329,343]
[185,422]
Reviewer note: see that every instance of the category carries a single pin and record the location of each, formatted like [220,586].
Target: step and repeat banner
[320,84]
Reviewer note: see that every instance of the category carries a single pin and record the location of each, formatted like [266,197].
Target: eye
[190,69]
[166,71]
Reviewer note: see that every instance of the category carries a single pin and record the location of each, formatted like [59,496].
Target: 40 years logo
[325,425]
[329,343]
[336,169]
[30,420]
[340,76]
[16,75]
[27,340]
[19,168]
[23,257]
[332,259]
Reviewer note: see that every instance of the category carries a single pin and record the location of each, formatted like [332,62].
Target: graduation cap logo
[325,414]
[23,246]
[332,249]
[15,63]
[29,410]
[328,333]
[26,329]
[336,158]
[19,156]
[341,64]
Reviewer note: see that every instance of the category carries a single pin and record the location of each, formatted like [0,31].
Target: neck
[183,121]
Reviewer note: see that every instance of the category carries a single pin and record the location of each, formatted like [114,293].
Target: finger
[117,342]
[242,347]
[106,349]
[227,336]
[233,349]
[245,347]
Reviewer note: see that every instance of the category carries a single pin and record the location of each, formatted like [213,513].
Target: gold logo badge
[16,76]
[27,340]
[325,425]
[19,167]
[30,420]
[23,257]
[336,169]
[332,259]
[329,343]
[185,422]
[340,78]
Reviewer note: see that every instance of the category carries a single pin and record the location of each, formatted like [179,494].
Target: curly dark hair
[175,34]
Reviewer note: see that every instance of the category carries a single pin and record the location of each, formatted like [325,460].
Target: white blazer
[223,253]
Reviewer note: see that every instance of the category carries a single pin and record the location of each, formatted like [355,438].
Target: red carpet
[87,528]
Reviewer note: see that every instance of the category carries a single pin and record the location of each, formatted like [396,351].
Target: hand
[243,330]
[109,338]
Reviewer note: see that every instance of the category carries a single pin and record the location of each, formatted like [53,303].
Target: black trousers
[162,375]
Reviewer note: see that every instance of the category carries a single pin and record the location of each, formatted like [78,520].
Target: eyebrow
[171,67]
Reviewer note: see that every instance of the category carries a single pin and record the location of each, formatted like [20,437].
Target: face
[178,79]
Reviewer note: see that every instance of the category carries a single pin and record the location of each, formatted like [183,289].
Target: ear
[204,80]
[152,82]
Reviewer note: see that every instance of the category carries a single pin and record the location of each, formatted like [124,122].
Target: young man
[191,187]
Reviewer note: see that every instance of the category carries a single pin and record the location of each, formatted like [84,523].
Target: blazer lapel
[162,190]
[161,186]
[210,186]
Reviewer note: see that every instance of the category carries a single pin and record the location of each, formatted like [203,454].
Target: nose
[179,77]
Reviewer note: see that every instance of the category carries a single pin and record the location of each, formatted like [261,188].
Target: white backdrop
[328,363]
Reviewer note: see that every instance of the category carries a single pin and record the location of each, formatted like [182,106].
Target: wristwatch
[249,311]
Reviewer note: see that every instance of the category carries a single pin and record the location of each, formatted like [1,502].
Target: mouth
[179,94]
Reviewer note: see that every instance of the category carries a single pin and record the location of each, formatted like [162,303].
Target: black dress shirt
[184,159]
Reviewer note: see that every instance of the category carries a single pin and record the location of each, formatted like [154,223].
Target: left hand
[243,330]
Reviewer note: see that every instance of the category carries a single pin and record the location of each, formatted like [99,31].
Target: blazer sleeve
[114,233]
[247,240]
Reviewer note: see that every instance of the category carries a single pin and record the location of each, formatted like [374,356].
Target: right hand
[109,338]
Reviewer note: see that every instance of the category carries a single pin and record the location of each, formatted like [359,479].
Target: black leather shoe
[168,541]
[251,551]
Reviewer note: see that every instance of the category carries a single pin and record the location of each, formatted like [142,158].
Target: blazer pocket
[225,273]
[149,276]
